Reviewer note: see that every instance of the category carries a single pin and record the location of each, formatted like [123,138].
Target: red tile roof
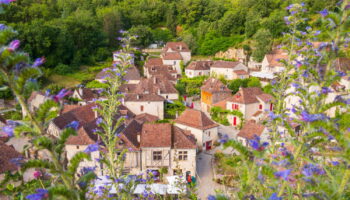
[249,95]
[155,84]
[67,108]
[156,135]
[176,46]
[132,73]
[166,135]
[127,88]
[225,64]
[240,72]
[85,135]
[154,61]
[200,65]
[213,85]
[274,59]
[146,118]
[250,130]
[129,135]
[6,154]
[87,94]
[143,97]
[196,119]
[172,56]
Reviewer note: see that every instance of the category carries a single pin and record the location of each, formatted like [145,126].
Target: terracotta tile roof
[176,46]
[250,129]
[342,64]
[183,139]
[6,154]
[196,119]
[67,108]
[132,73]
[82,114]
[85,135]
[273,59]
[240,72]
[166,135]
[87,94]
[200,65]
[156,135]
[165,70]
[214,85]
[143,97]
[248,95]
[146,118]
[154,61]
[224,64]
[127,88]
[129,135]
[154,85]
[265,97]
[172,56]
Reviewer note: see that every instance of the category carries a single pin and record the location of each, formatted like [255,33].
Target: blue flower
[86,170]
[211,197]
[39,61]
[6,1]
[91,148]
[99,121]
[17,161]
[14,45]
[317,33]
[325,90]
[305,74]
[274,196]
[283,174]
[273,116]
[341,74]
[305,116]
[39,195]
[61,94]
[255,144]
[311,169]
[9,130]
[324,12]
[335,163]
[74,125]
[3,27]
[224,139]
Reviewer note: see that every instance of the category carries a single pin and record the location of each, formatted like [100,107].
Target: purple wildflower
[296,85]
[274,196]
[17,161]
[306,117]
[39,195]
[122,31]
[9,130]
[341,74]
[305,74]
[273,116]
[324,12]
[325,90]
[317,33]
[61,94]
[74,125]
[39,61]
[91,148]
[86,170]
[224,139]
[211,197]
[255,144]
[286,19]
[290,6]
[335,163]
[119,38]
[283,174]
[99,121]
[6,1]
[14,45]
[311,169]
[3,27]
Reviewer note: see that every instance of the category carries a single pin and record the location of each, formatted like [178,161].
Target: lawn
[85,73]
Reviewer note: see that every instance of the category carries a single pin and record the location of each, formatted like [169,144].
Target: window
[141,108]
[157,155]
[166,97]
[260,107]
[209,133]
[77,147]
[200,73]
[235,107]
[183,155]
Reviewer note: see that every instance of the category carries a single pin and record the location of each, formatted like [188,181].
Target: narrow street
[206,185]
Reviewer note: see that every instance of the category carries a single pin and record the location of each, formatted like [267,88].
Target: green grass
[83,74]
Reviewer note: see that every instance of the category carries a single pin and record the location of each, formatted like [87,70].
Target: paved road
[206,185]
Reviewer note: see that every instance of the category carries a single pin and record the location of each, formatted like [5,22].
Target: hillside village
[186,144]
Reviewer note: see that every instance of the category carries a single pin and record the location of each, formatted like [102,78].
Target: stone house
[250,130]
[7,153]
[152,104]
[132,75]
[201,126]
[227,69]
[198,68]
[85,95]
[253,103]
[213,91]
[271,62]
[157,84]
[34,101]
[179,47]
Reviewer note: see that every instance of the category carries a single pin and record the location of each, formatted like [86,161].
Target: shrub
[96,84]
[63,69]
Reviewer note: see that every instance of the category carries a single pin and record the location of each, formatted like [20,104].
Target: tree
[263,44]
[254,82]
[144,35]
[161,36]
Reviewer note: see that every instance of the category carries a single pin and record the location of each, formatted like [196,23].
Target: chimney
[138,138]
[137,96]
[154,80]
[158,91]
[96,114]
[180,47]
[80,90]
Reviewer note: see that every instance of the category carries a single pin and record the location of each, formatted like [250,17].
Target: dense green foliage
[190,86]
[72,32]
[234,85]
